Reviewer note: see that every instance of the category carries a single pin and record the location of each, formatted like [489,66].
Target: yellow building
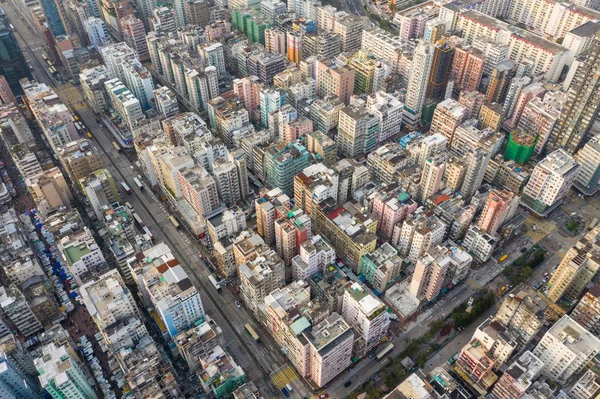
[349,228]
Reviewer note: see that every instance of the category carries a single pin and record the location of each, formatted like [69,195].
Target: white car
[237,304]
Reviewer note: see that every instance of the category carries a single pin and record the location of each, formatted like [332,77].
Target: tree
[436,326]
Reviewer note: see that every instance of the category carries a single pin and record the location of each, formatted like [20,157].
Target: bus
[52,70]
[137,219]
[138,183]
[503,258]
[214,283]
[252,333]
[117,146]
[126,187]
[593,224]
[174,222]
[384,351]
[44,56]
[148,232]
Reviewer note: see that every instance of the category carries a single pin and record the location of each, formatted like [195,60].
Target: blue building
[52,13]
[12,62]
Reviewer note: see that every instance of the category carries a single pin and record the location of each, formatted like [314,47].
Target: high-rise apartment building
[519,376]
[441,70]
[367,315]
[165,286]
[576,269]
[417,234]
[587,312]
[499,208]
[523,313]
[381,267]
[166,102]
[96,31]
[199,188]
[490,115]
[566,349]
[282,162]
[333,79]
[588,158]
[436,268]
[467,69]
[550,182]
[358,131]
[15,382]
[17,310]
[92,83]
[314,255]
[577,116]
[61,376]
[349,228]
[134,34]
[417,84]
[448,115]
[349,28]
[12,61]
[476,164]
[115,56]
[431,178]
[260,277]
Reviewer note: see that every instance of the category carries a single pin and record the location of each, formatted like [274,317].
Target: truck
[138,183]
[380,354]
[126,187]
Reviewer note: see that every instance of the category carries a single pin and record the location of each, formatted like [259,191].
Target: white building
[314,255]
[367,315]
[260,277]
[165,285]
[82,254]
[61,375]
[389,111]
[550,182]
[108,300]
[566,349]
[166,102]
[124,103]
[417,84]
[96,30]
[480,244]
[92,83]
[226,224]
[588,157]
[330,350]
[215,56]
[417,234]
[114,56]
[139,81]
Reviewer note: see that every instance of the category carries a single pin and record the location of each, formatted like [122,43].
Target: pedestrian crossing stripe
[473,284]
[284,377]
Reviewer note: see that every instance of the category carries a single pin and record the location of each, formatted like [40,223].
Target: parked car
[237,304]
[285,392]
[347,384]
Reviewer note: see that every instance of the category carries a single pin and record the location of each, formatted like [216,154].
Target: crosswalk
[543,228]
[285,376]
[71,96]
[473,284]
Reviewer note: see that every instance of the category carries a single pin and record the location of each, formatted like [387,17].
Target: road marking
[473,284]
[284,377]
